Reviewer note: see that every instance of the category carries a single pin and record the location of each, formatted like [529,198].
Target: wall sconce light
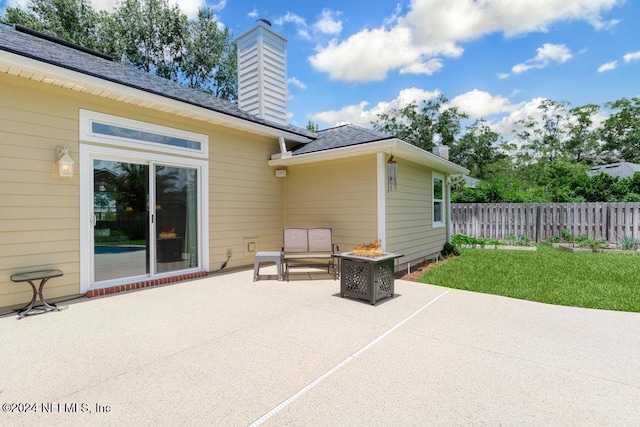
[65,162]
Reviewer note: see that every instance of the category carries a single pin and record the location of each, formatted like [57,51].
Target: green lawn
[550,275]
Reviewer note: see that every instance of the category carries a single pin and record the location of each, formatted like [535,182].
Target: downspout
[283,148]
[448,206]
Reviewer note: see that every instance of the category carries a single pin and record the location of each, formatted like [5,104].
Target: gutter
[400,149]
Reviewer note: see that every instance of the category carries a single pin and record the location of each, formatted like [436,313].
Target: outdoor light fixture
[65,162]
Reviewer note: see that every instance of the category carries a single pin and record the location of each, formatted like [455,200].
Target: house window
[105,128]
[438,200]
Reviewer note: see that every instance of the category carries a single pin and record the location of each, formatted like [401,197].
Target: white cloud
[297,83]
[599,24]
[509,123]
[361,115]
[434,29]
[190,7]
[299,22]
[503,76]
[547,54]
[608,66]
[291,18]
[428,68]
[478,103]
[253,14]
[328,23]
[634,56]
[369,55]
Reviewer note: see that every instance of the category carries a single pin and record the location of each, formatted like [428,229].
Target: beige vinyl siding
[340,194]
[245,198]
[39,211]
[409,213]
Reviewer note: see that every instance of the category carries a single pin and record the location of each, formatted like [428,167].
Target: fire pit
[367,273]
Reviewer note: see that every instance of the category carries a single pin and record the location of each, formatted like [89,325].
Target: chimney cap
[266,21]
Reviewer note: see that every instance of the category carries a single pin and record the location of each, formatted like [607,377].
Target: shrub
[566,235]
[450,249]
[584,241]
[463,239]
[513,240]
[553,239]
[113,237]
[628,243]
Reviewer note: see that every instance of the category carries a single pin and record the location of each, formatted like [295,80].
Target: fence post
[536,210]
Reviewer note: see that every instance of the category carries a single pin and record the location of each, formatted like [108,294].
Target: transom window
[105,128]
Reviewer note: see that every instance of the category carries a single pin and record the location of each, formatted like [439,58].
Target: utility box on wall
[250,246]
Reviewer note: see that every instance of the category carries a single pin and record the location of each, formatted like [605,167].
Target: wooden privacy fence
[539,221]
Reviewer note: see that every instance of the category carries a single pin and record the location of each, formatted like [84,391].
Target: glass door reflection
[176,222]
[121,225]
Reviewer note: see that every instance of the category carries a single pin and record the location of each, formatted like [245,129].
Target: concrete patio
[228,351]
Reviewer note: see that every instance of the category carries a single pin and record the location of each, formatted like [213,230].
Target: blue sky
[351,60]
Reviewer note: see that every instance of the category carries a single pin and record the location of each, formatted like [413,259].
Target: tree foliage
[312,126]
[151,35]
[621,131]
[548,157]
[423,125]
[476,149]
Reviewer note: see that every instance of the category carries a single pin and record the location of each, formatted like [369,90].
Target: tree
[582,144]
[151,35]
[621,131]
[312,126]
[209,61]
[476,149]
[543,138]
[419,125]
[71,20]
[15,15]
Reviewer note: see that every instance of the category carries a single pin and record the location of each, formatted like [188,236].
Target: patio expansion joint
[338,366]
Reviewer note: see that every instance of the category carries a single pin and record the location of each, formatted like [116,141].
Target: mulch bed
[418,270]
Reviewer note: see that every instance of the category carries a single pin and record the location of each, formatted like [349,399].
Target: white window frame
[437,176]
[87,118]
[90,152]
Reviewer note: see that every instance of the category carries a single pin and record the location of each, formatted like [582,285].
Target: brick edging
[145,284]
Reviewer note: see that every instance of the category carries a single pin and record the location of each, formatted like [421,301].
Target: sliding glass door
[120,219]
[146,220]
[176,218]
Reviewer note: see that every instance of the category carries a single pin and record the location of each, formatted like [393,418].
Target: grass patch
[549,275]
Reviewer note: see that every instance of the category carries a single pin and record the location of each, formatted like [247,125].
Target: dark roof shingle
[64,55]
[620,170]
[341,136]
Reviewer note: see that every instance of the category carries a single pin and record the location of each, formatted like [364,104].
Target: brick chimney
[262,73]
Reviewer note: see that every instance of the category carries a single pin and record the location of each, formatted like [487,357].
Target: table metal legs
[37,292]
